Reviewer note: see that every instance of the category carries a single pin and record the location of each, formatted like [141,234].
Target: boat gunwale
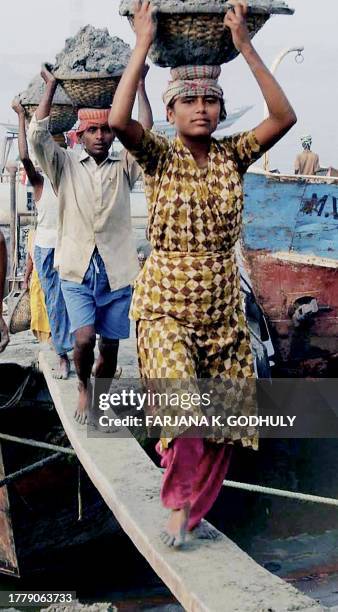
[295,178]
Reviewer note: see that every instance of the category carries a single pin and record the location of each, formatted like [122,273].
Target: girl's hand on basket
[235,20]
[46,74]
[144,22]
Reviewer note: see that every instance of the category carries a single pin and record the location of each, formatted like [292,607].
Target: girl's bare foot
[64,368]
[204,531]
[84,403]
[176,529]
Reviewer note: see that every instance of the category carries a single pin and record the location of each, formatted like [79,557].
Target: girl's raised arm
[129,131]
[281,114]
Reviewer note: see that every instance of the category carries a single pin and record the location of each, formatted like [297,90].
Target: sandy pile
[35,90]
[92,50]
[204,6]
[77,607]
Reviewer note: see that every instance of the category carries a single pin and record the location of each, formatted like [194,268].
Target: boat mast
[299,60]
[12,169]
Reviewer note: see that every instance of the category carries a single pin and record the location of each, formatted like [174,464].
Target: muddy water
[295,541]
[110,571]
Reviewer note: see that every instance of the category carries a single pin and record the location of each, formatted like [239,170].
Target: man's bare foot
[204,531]
[117,374]
[176,529]
[63,370]
[84,403]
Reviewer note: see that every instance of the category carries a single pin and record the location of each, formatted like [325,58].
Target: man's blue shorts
[92,303]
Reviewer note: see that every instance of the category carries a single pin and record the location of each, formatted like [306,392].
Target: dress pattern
[187,299]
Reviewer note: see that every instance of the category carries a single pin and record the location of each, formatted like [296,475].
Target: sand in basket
[191,32]
[90,65]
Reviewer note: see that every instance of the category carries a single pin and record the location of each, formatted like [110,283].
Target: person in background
[187,300]
[4,335]
[307,162]
[43,255]
[95,250]
[39,318]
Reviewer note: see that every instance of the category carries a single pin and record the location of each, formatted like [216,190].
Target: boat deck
[206,575]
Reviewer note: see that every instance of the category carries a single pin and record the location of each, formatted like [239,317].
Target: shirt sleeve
[245,149]
[150,152]
[132,169]
[49,155]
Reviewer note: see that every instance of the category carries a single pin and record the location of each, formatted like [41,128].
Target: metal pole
[277,61]
[12,169]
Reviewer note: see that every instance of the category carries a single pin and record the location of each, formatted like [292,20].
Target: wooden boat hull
[47,512]
[46,521]
[290,244]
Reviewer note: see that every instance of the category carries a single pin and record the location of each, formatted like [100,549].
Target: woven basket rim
[66,105]
[87,76]
[126,9]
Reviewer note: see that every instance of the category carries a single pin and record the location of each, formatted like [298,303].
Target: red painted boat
[290,246]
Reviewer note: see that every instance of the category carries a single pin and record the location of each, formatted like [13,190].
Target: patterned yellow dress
[187,301]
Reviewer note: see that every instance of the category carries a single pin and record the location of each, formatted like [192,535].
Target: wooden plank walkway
[205,576]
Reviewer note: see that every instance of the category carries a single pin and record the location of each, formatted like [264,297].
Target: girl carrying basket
[187,303]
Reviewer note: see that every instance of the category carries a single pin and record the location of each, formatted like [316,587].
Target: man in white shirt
[95,252]
[43,252]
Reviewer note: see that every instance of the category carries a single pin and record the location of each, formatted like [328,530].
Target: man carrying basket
[94,254]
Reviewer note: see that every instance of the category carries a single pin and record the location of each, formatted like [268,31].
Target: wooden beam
[205,576]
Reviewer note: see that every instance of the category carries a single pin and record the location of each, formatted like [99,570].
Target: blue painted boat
[290,244]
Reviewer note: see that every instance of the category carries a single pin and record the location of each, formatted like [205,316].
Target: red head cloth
[89,117]
[71,138]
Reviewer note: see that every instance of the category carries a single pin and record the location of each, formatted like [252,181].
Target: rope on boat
[38,444]
[30,468]
[16,397]
[317,499]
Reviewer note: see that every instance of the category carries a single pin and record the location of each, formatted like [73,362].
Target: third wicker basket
[20,317]
[62,118]
[94,90]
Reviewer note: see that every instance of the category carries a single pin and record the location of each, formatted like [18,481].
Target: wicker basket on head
[62,118]
[90,90]
[20,318]
[192,31]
